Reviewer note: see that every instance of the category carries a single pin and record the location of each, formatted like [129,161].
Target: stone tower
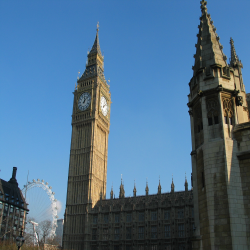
[89,148]
[217,105]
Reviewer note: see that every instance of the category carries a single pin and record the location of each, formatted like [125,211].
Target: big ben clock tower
[89,148]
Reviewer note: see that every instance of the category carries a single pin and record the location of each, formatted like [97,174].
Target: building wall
[13,208]
[162,221]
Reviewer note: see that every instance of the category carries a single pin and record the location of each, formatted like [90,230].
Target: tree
[44,229]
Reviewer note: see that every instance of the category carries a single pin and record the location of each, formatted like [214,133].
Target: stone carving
[228,107]
[239,100]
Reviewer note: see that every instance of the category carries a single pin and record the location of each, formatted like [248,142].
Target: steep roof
[208,48]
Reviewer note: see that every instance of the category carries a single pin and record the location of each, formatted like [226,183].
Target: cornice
[212,91]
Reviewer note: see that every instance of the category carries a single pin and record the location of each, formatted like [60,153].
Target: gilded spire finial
[97,27]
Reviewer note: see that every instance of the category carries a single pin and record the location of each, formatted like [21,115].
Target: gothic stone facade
[220,130]
[220,144]
[155,222]
[91,222]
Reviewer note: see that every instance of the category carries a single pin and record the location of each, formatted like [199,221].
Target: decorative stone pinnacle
[234,58]
[203,5]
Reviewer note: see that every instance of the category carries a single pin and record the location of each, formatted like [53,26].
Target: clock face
[104,106]
[84,101]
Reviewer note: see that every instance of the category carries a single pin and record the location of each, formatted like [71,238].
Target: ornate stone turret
[159,188]
[234,60]
[134,190]
[146,189]
[186,183]
[111,192]
[122,191]
[172,185]
[236,64]
[217,105]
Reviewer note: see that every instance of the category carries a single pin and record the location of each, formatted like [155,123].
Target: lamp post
[20,239]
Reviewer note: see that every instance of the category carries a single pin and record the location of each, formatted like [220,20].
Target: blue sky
[148,48]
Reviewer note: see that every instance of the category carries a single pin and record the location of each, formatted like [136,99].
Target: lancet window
[212,111]
[228,111]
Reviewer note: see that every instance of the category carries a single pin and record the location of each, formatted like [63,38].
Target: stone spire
[134,190]
[111,193]
[122,191]
[172,185]
[96,46]
[208,48]
[159,187]
[186,183]
[147,189]
[234,58]
[95,62]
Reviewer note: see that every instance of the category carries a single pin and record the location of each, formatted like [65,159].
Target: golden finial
[97,27]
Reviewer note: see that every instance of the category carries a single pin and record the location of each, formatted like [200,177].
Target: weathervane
[97,27]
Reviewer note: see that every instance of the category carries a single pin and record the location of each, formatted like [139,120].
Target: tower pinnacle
[95,61]
[122,191]
[208,48]
[172,185]
[96,46]
[159,187]
[134,190]
[234,58]
[111,192]
[186,183]
[147,189]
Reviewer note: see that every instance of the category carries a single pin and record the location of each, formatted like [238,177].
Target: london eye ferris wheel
[41,203]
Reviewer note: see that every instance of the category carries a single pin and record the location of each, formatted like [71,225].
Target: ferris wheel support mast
[35,241]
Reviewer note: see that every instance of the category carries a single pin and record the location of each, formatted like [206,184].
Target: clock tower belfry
[89,148]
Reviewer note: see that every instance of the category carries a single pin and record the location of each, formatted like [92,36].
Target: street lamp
[20,239]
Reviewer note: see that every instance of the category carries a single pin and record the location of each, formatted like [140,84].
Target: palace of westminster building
[214,213]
